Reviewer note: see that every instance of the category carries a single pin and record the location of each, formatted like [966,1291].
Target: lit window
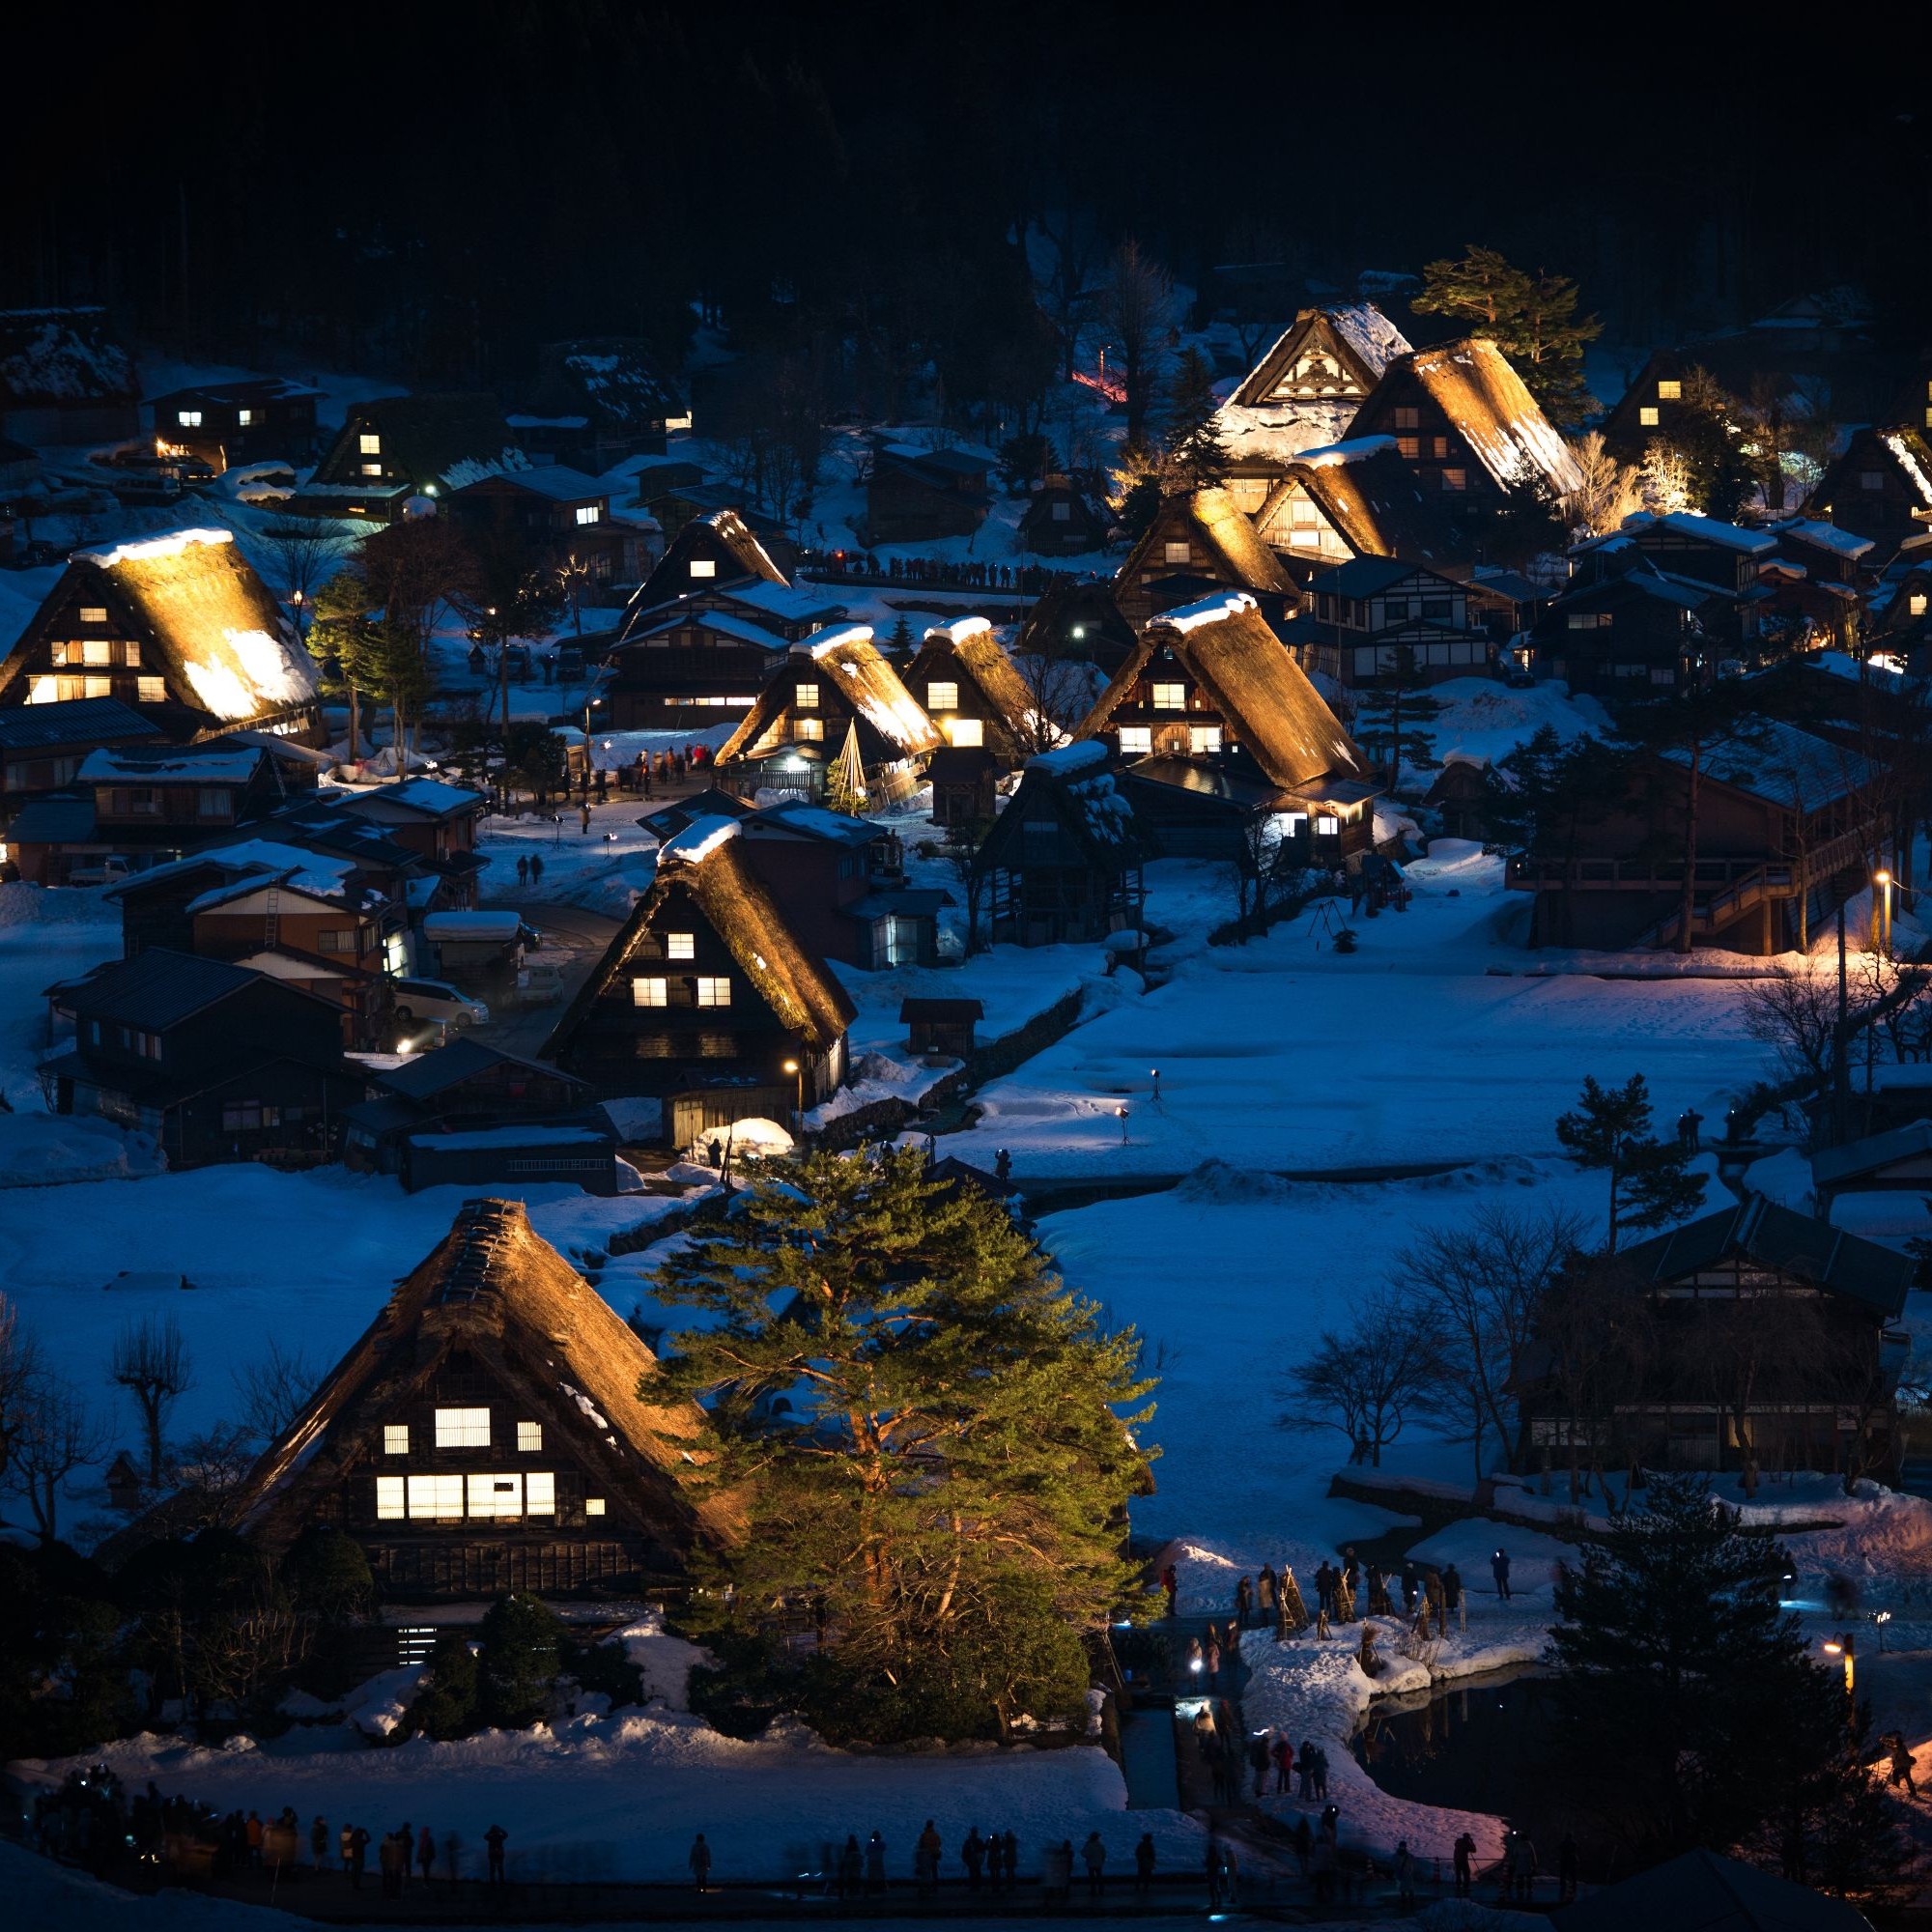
[805,696]
[1327,827]
[42,689]
[680,945]
[540,1494]
[530,1435]
[369,442]
[1917,603]
[1438,447]
[966,732]
[1136,740]
[1647,416]
[714,992]
[395,1438]
[131,654]
[1409,447]
[589,513]
[372,469]
[1203,737]
[188,419]
[1176,551]
[593,1505]
[496,1495]
[942,698]
[96,651]
[93,613]
[462,1429]
[151,690]
[1407,419]
[1170,697]
[650,992]
[437,1498]
[389,1494]
[810,729]
[1455,479]
[96,687]
[243,419]
[703,567]
[1669,391]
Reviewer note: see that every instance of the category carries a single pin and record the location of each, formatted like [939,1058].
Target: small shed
[943,1027]
[519,1153]
[965,784]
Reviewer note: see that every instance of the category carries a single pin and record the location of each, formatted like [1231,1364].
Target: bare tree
[1482,1285]
[301,553]
[1370,1381]
[19,1373]
[1795,1013]
[1137,312]
[274,1390]
[1067,290]
[56,1437]
[1609,491]
[150,1362]
[1597,1333]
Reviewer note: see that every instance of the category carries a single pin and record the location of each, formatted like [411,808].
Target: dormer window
[714,992]
[530,1438]
[680,945]
[942,698]
[395,1438]
[589,513]
[702,568]
[1407,418]
[372,469]
[462,1429]
[805,696]
[1915,604]
[1170,697]
[1669,391]
[1176,551]
[369,443]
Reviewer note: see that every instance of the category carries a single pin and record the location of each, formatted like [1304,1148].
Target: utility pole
[1840,1072]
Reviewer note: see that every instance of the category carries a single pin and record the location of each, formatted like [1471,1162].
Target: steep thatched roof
[450,439]
[492,1287]
[615,378]
[1263,697]
[967,648]
[211,622]
[727,541]
[848,657]
[1369,496]
[1214,521]
[1473,383]
[1306,387]
[707,860]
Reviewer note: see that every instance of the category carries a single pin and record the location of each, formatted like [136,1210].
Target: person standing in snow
[1405,1873]
[926,1850]
[317,1843]
[523,869]
[1304,1759]
[1465,1865]
[973,1854]
[1320,1775]
[1145,1859]
[875,1863]
[536,871]
[1499,1568]
[1258,1757]
[1212,1655]
[1264,1595]
[494,1839]
[1171,1583]
[1901,1764]
[1093,1853]
[1451,1590]
[699,1863]
[1284,1764]
[425,1854]
[1244,1603]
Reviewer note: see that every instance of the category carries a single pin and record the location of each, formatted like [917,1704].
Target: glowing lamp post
[796,1068]
[1153,1074]
[1842,1645]
[1882,879]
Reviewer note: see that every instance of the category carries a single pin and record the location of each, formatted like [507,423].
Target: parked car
[107,871]
[438,1000]
[539,984]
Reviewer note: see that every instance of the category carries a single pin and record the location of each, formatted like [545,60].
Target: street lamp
[1123,1113]
[1882,879]
[1842,1645]
[796,1068]
[1154,1073]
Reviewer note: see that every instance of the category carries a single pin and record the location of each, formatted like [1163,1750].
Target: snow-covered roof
[782,600]
[1208,611]
[1356,449]
[1305,391]
[188,764]
[1826,536]
[1707,529]
[721,621]
[696,842]
[1065,760]
[1901,448]
[49,356]
[265,858]
[1475,387]
[821,642]
[428,795]
[1781,764]
[960,629]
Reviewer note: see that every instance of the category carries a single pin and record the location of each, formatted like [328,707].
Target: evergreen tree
[946,1483]
[1532,319]
[522,1652]
[1196,458]
[447,1704]
[900,645]
[1690,1713]
[1392,717]
[1651,1184]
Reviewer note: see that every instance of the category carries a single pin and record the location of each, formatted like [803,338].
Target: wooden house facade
[227,424]
[486,1434]
[706,998]
[1652,409]
[1353,499]
[717,562]
[833,689]
[597,401]
[1465,424]
[1062,863]
[1881,487]
[180,629]
[920,496]
[1822,1389]
[683,667]
[1371,618]
[1629,637]
[973,692]
[1063,520]
[1199,540]
[43,747]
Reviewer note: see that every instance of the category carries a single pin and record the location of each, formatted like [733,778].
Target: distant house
[1459,792]
[486,1434]
[1225,728]
[717,562]
[1880,488]
[919,496]
[1630,635]
[1062,863]
[402,446]
[1363,617]
[597,401]
[178,627]
[1825,1390]
[1816,583]
[972,691]
[43,747]
[1652,408]
[833,688]
[1303,393]
[1199,539]
[227,424]
[1061,520]
[965,785]
[1462,419]
[214,1061]
[1785,822]
[154,804]
[682,668]
[947,1028]
[1899,1160]
[707,1000]
[840,884]
[64,379]
[1357,499]
[1075,622]
[426,815]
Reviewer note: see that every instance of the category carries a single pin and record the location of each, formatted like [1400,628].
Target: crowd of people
[1029,580]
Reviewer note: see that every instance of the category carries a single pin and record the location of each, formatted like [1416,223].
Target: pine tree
[947,1483]
[1196,457]
[1609,1133]
[900,645]
[1532,319]
[1690,1713]
[522,1652]
[1391,717]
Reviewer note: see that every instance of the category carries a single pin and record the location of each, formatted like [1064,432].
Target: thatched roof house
[972,689]
[1462,415]
[179,628]
[1198,539]
[598,400]
[705,994]
[710,553]
[485,1434]
[1355,499]
[396,448]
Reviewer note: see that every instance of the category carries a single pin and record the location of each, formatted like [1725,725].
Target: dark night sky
[501,172]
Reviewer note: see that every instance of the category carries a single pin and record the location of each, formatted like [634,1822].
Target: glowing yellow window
[1170,697]
[680,945]
[1670,392]
[714,992]
[395,1438]
[942,698]
[369,443]
[967,733]
[805,696]
[650,992]
[1647,416]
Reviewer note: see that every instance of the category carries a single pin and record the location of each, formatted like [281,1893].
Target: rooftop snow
[1709,529]
[152,548]
[1908,463]
[822,642]
[225,765]
[1208,611]
[698,839]
[960,629]
[1827,536]
[1065,759]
